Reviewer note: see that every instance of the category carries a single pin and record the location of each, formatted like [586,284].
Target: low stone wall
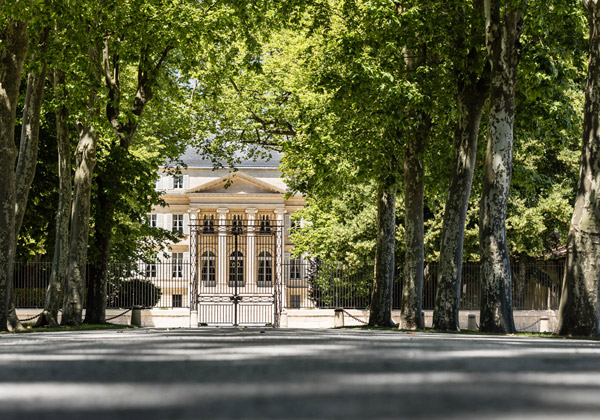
[534,321]
[160,318]
[325,318]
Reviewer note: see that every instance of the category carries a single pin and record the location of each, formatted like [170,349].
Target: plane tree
[579,313]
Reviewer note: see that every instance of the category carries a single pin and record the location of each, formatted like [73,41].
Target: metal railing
[307,284]
[536,286]
[161,284]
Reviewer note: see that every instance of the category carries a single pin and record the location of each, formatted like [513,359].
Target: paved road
[295,374]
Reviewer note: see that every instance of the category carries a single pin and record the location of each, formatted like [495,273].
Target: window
[177,264]
[177,182]
[236,223]
[295,269]
[151,270]
[152,221]
[208,223]
[178,223]
[208,267]
[294,302]
[236,268]
[265,271]
[265,224]
[177,301]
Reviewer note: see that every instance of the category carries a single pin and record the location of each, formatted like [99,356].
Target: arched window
[236,267]
[208,267]
[265,267]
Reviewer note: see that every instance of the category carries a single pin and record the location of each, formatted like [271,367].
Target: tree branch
[113,85]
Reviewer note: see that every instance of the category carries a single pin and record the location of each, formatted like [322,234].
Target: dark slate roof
[194,160]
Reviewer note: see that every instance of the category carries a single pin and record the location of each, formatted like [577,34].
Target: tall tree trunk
[381,298]
[503,29]
[412,281]
[471,100]
[85,156]
[107,180]
[49,315]
[14,39]
[27,162]
[110,178]
[579,312]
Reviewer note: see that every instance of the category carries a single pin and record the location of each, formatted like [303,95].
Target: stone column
[222,251]
[279,248]
[251,247]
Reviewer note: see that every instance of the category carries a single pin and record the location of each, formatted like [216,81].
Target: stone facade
[200,195]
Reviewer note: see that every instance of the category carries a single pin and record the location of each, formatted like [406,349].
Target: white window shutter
[158,183]
[186,182]
[159,220]
[186,223]
[169,180]
[168,222]
[287,224]
[286,265]
[186,265]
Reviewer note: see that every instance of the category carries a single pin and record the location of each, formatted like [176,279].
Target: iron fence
[306,284]
[160,284]
[309,284]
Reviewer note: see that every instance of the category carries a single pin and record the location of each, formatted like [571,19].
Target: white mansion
[235,250]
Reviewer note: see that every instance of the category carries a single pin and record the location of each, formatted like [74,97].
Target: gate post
[193,228]
[222,246]
[279,250]
[251,246]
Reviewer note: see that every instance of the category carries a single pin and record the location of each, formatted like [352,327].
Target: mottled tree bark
[85,157]
[503,30]
[470,100]
[412,282]
[58,276]
[579,312]
[381,298]
[27,162]
[14,39]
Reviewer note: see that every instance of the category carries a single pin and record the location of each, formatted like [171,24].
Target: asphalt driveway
[295,374]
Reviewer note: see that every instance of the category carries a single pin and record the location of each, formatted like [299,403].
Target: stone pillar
[251,247]
[338,318]
[222,251]
[279,249]
[472,322]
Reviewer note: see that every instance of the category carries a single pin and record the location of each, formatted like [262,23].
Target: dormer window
[177,182]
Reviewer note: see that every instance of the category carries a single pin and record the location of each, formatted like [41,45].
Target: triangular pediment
[237,183]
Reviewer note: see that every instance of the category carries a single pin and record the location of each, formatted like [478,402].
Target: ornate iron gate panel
[237,270]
